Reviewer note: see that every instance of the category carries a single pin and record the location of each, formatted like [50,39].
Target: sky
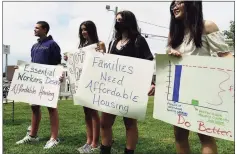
[19,19]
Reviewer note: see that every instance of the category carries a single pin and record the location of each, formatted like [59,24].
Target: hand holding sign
[61,78]
[65,57]
[174,52]
[100,47]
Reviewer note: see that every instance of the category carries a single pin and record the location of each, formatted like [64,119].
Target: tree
[230,34]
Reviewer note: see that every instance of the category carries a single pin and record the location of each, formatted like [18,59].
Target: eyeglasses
[178,4]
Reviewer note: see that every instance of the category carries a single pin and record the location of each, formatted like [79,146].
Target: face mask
[120,26]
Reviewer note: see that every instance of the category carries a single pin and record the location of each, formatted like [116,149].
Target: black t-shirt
[134,48]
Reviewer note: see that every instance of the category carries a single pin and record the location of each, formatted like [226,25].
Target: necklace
[122,42]
[86,42]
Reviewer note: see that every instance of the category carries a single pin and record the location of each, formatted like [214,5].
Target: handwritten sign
[75,64]
[115,84]
[196,93]
[36,84]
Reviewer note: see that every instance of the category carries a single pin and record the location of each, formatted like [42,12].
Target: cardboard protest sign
[36,84]
[75,62]
[196,93]
[115,84]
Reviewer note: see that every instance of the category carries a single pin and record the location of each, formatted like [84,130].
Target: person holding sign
[45,51]
[191,35]
[88,35]
[128,42]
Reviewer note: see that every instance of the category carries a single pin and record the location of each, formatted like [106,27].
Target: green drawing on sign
[195,102]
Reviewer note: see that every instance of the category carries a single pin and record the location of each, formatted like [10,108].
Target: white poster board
[196,93]
[115,84]
[75,62]
[36,84]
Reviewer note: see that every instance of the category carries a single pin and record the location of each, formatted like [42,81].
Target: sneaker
[28,139]
[28,130]
[85,148]
[95,150]
[51,143]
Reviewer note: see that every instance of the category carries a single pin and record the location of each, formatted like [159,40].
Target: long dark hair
[91,30]
[130,20]
[193,19]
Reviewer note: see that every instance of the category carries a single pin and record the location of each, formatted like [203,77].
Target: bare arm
[211,27]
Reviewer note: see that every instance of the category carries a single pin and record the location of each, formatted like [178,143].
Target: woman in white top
[191,35]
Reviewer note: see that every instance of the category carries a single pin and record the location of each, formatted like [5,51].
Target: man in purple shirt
[45,51]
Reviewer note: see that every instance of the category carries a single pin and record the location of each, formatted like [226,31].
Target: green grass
[155,137]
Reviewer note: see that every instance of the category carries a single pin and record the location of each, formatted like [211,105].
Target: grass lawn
[155,137]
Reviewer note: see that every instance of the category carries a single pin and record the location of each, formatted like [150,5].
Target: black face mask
[120,27]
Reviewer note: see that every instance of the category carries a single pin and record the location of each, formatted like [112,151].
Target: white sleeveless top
[212,44]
